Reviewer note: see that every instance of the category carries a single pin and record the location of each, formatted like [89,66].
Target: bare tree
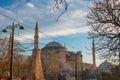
[105,21]
[3,46]
[57,6]
[116,72]
[18,59]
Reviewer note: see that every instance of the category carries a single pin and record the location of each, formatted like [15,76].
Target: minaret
[93,52]
[36,37]
[36,63]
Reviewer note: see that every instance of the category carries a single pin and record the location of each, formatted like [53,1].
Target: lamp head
[21,27]
[4,30]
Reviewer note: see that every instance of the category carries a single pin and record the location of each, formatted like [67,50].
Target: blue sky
[71,29]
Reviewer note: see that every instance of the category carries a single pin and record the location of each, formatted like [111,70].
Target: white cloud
[71,22]
[78,14]
[24,37]
[67,31]
[30,5]
[67,27]
[6,11]
[5,17]
[2,18]
[53,32]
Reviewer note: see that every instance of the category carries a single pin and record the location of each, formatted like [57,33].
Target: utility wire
[39,31]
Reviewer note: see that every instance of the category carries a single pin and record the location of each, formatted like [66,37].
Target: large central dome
[54,44]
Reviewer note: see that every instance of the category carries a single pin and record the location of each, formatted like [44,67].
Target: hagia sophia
[55,62]
[58,59]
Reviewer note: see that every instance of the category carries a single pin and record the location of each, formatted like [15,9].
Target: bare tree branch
[57,6]
[105,27]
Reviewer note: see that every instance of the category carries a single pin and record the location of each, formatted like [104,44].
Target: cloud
[29,37]
[71,22]
[30,5]
[5,17]
[67,31]
[66,27]
[78,14]
[26,37]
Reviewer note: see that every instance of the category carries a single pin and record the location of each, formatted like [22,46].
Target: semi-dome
[54,44]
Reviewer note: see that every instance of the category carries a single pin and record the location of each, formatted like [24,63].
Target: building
[35,64]
[105,70]
[56,62]
[105,67]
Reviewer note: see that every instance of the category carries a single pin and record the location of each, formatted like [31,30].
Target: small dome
[105,66]
[54,44]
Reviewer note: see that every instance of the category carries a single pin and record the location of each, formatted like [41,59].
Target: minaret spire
[93,52]
[36,37]
[36,70]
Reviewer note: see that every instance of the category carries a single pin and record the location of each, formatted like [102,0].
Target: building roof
[105,66]
[54,44]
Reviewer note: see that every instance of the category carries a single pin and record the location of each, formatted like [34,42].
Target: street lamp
[12,42]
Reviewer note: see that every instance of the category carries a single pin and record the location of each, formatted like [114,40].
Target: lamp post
[12,42]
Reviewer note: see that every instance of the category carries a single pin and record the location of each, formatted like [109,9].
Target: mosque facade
[56,62]
[59,61]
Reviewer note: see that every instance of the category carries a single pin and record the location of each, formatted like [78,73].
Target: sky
[71,29]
